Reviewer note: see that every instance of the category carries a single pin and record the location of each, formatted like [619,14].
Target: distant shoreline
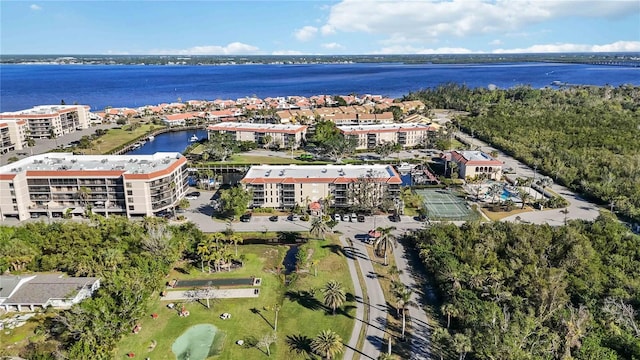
[616,59]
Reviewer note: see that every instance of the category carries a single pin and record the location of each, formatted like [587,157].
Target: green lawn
[302,315]
[115,138]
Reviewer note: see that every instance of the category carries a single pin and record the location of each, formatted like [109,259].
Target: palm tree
[394,271]
[83,194]
[333,295]
[327,344]
[235,239]
[315,263]
[318,228]
[449,310]
[462,345]
[524,196]
[403,299]
[494,190]
[203,251]
[385,241]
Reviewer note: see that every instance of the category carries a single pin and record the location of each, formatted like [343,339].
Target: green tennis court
[445,205]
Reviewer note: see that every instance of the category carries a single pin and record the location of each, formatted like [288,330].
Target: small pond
[195,343]
[289,261]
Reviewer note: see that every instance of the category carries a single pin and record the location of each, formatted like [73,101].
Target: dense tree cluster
[585,137]
[130,258]
[520,291]
[332,142]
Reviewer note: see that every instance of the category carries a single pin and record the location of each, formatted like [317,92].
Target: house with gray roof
[40,291]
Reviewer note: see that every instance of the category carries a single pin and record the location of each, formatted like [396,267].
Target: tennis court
[445,205]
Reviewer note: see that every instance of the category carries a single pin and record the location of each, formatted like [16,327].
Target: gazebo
[315,208]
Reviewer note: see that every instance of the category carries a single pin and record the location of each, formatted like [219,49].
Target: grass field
[115,138]
[301,318]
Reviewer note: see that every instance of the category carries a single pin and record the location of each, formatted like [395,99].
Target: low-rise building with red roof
[473,164]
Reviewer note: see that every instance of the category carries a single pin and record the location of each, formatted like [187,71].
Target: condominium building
[12,135]
[277,135]
[370,136]
[473,164]
[285,186]
[63,184]
[47,121]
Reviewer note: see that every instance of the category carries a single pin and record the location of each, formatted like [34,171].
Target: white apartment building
[284,136]
[370,136]
[63,184]
[47,120]
[12,135]
[285,186]
[477,163]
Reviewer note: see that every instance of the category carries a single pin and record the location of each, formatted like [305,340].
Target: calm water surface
[24,86]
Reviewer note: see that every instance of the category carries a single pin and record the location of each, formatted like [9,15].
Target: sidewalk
[352,345]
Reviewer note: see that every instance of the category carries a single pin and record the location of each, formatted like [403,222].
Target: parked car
[353,217]
[294,217]
[245,217]
[344,217]
[273,218]
[361,218]
[192,195]
[336,217]
[395,218]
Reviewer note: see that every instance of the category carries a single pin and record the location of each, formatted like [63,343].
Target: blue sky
[318,27]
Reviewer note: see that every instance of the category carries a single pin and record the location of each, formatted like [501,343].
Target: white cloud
[617,46]
[287,52]
[399,49]
[306,33]
[427,21]
[332,46]
[495,42]
[234,48]
[35,7]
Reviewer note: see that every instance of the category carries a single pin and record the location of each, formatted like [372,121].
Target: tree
[266,141]
[334,295]
[385,242]
[266,341]
[236,239]
[403,299]
[318,228]
[462,345]
[234,201]
[327,344]
[494,191]
[276,310]
[442,340]
[449,310]
[83,195]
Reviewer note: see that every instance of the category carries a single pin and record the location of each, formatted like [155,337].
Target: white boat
[151,138]
[194,138]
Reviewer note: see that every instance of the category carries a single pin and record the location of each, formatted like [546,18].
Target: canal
[175,141]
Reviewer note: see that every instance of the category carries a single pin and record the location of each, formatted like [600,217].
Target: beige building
[12,135]
[370,136]
[63,184]
[284,186]
[44,121]
[473,164]
[281,135]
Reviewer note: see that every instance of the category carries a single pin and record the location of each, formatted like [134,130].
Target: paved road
[579,208]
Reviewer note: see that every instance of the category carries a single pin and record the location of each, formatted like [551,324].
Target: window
[10,185]
[15,208]
[128,184]
[130,200]
[129,192]
[131,207]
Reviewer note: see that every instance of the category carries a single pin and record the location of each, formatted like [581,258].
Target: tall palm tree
[327,344]
[203,251]
[385,241]
[403,299]
[494,191]
[318,228]
[462,345]
[334,295]
[236,239]
[83,195]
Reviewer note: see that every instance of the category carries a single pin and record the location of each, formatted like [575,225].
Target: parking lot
[200,212]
